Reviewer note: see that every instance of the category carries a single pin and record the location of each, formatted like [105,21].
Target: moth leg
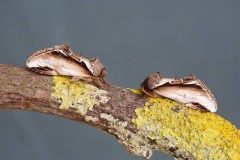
[84,79]
[146,92]
[93,80]
[98,83]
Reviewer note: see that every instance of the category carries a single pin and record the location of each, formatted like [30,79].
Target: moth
[60,60]
[188,90]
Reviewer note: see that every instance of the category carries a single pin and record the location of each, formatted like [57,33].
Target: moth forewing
[57,65]
[155,80]
[189,95]
[188,90]
[60,60]
[168,80]
[94,66]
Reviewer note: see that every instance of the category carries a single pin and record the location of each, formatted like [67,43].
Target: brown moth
[60,60]
[188,90]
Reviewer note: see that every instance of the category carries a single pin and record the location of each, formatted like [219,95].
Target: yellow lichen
[136,91]
[133,142]
[78,95]
[203,135]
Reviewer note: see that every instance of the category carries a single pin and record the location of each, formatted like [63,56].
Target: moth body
[188,90]
[60,60]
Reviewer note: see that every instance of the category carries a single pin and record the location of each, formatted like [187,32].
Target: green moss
[203,135]
[77,95]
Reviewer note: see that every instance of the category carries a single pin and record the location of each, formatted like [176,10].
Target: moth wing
[60,60]
[56,63]
[65,50]
[70,53]
[93,65]
[197,106]
[189,79]
[175,81]
[191,95]
[84,62]
[44,70]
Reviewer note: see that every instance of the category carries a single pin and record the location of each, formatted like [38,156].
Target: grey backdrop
[132,38]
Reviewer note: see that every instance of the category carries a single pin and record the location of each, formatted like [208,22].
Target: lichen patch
[194,134]
[136,91]
[133,142]
[77,95]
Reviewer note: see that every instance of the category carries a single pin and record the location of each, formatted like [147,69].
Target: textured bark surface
[26,90]
[140,123]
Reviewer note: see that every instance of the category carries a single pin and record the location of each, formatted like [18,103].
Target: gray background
[132,39]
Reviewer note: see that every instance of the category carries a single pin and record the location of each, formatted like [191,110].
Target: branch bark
[140,123]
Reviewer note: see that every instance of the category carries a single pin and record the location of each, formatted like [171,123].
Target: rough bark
[25,90]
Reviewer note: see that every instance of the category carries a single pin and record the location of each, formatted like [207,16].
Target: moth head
[97,68]
[152,81]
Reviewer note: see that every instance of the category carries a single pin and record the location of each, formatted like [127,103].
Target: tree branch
[140,123]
